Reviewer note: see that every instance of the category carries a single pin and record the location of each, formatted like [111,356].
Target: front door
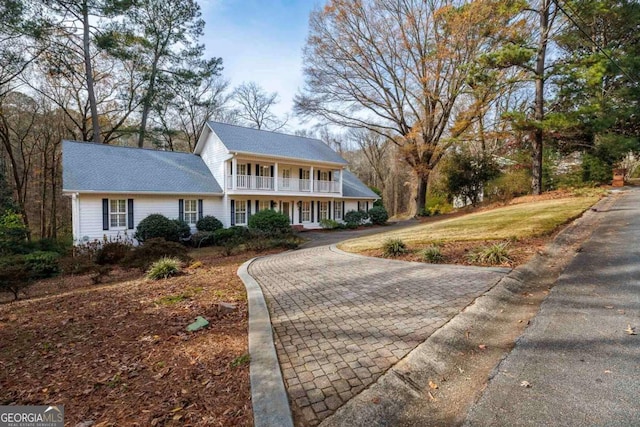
[286,209]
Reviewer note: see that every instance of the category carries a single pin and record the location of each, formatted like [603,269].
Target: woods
[417,96]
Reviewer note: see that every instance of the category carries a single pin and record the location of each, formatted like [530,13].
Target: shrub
[112,252]
[356,217]
[209,223]
[14,274]
[351,225]
[394,247]
[466,174]
[378,215]
[201,239]
[184,230]
[432,254]
[270,223]
[495,254]
[152,250]
[156,225]
[509,185]
[13,232]
[163,268]
[329,224]
[42,264]
[221,237]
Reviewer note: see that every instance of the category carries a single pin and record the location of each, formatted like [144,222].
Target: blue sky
[261,41]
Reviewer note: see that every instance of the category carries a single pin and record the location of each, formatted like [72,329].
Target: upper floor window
[264,170]
[118,213]
[190,211]
[324,176]
[306,174]
[242,169]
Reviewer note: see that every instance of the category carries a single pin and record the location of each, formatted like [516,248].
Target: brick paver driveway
[341,320]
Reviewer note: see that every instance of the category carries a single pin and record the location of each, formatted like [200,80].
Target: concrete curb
[268,395]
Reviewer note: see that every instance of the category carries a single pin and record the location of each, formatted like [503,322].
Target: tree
[400,69]
[374,147]
[72,48]
[255,105]
[164,35]
[467,173]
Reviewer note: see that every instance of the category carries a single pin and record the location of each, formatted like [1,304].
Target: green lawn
[515,221]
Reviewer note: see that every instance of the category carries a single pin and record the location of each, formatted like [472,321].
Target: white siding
[214,154]
[89,223]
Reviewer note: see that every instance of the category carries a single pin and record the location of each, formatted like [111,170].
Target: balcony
[285,185]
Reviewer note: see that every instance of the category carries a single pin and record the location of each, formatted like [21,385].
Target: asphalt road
[578,364]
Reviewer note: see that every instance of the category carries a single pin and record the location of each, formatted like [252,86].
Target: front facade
[233,173]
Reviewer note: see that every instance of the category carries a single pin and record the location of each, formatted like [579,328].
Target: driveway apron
[341,320]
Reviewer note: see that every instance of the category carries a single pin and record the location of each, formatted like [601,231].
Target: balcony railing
[294,185]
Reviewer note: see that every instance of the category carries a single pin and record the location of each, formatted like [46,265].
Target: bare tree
[255,106]
[374,147]
[400,69]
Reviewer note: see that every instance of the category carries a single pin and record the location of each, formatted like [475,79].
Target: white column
[341,175]
[234,173]
[275,178]
[75,206]
[311,179]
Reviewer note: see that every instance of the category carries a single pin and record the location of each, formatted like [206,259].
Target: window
[337,210]
[241,212]
[286,176]
[324,210]
[242,169]
[190,211]
[306,211]
[362,206]
[264,170]
[324,176]
[305,185]
[264,205]
[118,213]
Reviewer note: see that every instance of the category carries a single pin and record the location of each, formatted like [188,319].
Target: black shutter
[312,211]
[257,206]
[367,207]
[257,169]
[300,211]
[105,214]
[342,210]
[273,205]
[130,214]
[200,209]
[272,171]
[300,173]
[233,213]
[329,210]
[181,209]
[248,168]
[330,176]
[231,168]
[248,210]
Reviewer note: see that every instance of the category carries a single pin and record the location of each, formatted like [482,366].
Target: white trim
[297,159]
[155,193]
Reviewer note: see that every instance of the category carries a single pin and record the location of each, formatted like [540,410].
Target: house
[233,173]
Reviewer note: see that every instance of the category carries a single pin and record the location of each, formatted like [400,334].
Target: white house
[233,172]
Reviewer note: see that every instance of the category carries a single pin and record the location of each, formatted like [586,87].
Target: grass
[510,222]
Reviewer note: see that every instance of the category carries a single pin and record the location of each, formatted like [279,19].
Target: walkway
[341,320]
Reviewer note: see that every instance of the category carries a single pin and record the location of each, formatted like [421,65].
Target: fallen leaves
[482,347]
[433,385]
[630,330]
[525,384]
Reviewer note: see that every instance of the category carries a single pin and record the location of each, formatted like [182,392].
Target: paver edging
[269,398]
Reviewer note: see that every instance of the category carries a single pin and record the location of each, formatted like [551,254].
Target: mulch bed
[119,354]
[457,252]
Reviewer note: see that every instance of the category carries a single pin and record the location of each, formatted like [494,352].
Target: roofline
[360,198]
[165,193]
[206,129]
[131,148]
[299,159]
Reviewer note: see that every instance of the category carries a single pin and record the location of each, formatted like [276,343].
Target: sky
[261,41]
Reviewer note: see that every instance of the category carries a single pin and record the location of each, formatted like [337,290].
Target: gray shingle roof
[354,188]
[266,143]
[109,168]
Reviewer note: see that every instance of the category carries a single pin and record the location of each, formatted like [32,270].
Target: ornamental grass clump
[432,254]
[163,268]
[394,247]
[495,254]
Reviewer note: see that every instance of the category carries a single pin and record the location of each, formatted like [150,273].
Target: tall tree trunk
[95,123]
[421,193]
[536,170]
[148,100]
